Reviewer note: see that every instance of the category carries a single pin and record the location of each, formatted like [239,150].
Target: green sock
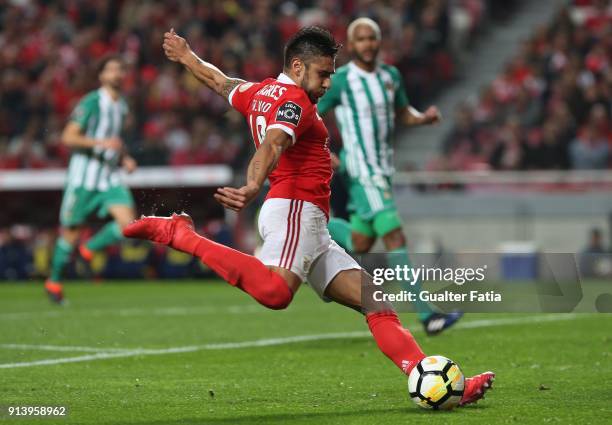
[61,257]
[107,235]
[340,231]
[399,257]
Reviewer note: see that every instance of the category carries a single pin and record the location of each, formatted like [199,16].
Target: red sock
[394,341]
[238,269]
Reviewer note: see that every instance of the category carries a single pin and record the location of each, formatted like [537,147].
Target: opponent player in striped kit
[94,184]
[292,152]
[367,96]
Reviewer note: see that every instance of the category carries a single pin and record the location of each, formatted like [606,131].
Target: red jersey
[304,169]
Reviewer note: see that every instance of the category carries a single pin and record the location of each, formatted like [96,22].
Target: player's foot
[85,256]
[163,230]
[54,291]
[438,322]
[476,386]
[85,253]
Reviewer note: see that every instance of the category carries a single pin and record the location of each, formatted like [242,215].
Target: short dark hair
[310,42]
[112,57]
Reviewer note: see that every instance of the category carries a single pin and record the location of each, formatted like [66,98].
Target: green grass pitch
[167,353]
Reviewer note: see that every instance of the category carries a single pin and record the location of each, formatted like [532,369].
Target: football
[436,383]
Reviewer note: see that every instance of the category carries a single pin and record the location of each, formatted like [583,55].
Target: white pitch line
[278,341]
[21,315]
[128,312]
[69,348]
[188,349]
[89,357]
[232,345]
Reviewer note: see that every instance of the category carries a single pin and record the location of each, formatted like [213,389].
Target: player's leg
[63,251]
[336,276]
[282,225]
[271,286]
[375,215]
[64,246]
[118,202]
[397,343]
[272,281]
[388,225]
[73,213]
[292,280]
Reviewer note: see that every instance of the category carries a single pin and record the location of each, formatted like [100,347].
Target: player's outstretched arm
[412,117]
[262,164]
[177,50]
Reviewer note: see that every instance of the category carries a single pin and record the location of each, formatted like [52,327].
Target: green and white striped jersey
[365,104]
[99,117]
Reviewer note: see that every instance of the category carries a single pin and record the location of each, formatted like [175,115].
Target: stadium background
[520,164]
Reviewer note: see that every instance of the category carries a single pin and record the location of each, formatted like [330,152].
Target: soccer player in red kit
[292,152]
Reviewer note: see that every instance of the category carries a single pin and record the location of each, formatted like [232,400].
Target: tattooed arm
[177,50]
[263,162]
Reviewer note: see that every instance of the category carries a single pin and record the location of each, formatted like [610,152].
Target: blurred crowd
[48,52]
[550,107]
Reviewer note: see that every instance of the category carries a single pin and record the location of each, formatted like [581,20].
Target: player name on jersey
[274,91]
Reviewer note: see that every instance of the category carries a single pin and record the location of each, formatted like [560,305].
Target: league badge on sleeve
[289,112]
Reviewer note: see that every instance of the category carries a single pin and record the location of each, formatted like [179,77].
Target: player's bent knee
[280,303]
[275,297]
[275,293]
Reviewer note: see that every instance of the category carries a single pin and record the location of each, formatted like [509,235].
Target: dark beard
[304,85]
[312,98]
